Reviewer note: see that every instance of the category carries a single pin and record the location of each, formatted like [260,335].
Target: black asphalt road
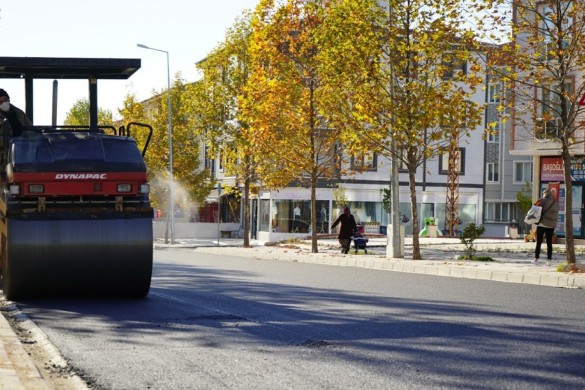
[216,322]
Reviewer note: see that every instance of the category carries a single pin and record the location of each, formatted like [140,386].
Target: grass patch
[476,258]
[287,241]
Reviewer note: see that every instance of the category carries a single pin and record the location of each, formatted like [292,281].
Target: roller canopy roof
[91,69]
[68,68]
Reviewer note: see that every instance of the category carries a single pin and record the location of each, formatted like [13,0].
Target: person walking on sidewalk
[547,224]
[346,230]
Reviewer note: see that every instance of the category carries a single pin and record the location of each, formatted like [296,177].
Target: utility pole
[395,249]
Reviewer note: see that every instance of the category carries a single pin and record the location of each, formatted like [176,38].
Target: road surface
[237,323]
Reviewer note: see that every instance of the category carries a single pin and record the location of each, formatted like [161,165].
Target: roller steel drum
[73,257]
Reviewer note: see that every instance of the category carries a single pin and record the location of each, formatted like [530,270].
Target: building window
[494,133]
[548,125]
[522,172]
[493,175]
[549,23]
[459,163]
[209,162]
[401,164]
[264,212]
[290,216]
[453,66]
[367,161]
[495,92]
[551,99]
[499,211]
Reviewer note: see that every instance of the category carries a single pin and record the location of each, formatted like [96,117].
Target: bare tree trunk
[314,211]
[569,238]
[415,242]
[247,211]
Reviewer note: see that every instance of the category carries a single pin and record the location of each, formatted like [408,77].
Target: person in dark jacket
[12,122]
[13,118]
[547,224]
[346,230]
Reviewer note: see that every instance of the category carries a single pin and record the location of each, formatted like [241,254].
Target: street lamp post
[170,136]
[396,238]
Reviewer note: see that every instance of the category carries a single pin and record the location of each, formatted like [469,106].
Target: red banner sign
[551,169]
[555,188]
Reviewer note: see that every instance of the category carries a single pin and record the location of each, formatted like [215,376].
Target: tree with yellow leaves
[283,101]
[217,115]
[403,76]
[186,165]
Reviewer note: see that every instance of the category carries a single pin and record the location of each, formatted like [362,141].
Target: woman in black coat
[347,229]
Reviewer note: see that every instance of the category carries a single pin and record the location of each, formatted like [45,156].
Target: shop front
[286,213]
[552,176]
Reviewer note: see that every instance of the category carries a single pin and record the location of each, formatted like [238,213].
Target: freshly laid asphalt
[512,263]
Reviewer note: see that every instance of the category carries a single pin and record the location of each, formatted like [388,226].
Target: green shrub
[470,234]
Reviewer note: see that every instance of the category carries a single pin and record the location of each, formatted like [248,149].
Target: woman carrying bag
[546,226]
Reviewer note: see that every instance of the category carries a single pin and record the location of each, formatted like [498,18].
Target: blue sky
[187,29]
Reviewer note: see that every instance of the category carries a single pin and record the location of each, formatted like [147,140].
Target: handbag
[533,215]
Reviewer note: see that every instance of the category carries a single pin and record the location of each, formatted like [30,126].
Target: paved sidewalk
[513,264]
[17,370]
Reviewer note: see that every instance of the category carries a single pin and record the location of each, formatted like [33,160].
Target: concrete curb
[17,368]
[498,271]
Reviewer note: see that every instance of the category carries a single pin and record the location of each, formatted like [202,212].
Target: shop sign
[578,169]
[551,169]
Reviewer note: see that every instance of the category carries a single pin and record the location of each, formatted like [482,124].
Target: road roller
[75,214]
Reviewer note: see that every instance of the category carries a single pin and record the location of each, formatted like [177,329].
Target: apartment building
[547,118]
[505,174]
